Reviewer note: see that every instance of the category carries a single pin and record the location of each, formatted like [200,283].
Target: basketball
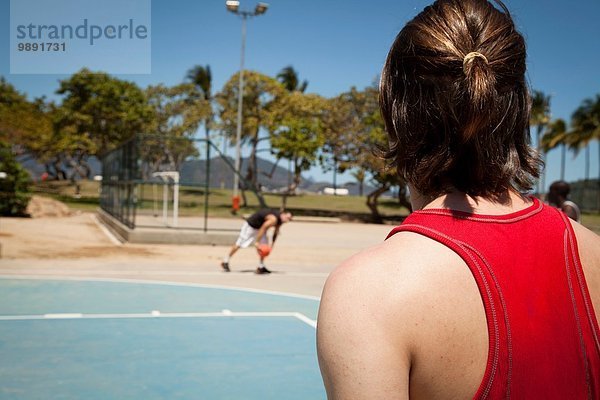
[263,250]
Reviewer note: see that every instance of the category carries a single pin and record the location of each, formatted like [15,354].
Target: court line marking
[63,316]
[6,272]
[108,233]
[157,314]
[306,320]
[165,283]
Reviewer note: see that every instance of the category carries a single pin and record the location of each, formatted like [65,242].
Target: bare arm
[275,234]
[588,244]
[359,355]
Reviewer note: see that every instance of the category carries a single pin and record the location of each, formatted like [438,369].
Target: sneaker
[225,266]
[262,270]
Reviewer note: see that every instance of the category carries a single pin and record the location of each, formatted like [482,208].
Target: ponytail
[480,82]
[455,102]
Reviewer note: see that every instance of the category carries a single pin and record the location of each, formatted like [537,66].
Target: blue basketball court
[95,339]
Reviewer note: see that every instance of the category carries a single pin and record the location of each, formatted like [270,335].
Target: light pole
[234,7]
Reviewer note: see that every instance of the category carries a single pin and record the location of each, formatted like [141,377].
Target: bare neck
[504,203]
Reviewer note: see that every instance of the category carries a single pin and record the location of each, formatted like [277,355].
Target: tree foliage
[201,78]
[260,97]
[14,188]
[99,111]
[28,126]
[290,80]
[540,110]
[585,122]
[24,124]
[540,118]
[355,138]
[371,158]
[177,112]
[297,131]
[556,135]
[584,128]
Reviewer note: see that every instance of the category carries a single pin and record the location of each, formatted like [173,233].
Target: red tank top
[543,333]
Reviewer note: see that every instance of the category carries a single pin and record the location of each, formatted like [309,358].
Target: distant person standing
[558,197]
[254,232]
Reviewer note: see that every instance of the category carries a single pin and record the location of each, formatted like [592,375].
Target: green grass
[191,200]
[89,189]
[592,221]
[64,191]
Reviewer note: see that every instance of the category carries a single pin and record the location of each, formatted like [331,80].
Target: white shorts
[248,236]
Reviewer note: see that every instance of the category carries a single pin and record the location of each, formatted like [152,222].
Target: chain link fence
[153,180]
[586,194]
[120,174]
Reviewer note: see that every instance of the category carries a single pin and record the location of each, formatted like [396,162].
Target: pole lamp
[234,7]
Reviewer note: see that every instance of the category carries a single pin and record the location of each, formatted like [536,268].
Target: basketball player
[254,233]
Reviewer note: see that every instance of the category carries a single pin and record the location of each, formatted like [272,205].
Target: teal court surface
[100,339]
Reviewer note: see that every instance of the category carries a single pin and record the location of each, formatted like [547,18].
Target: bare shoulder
[380,308]
[396,271]
[270,220]
[403,266]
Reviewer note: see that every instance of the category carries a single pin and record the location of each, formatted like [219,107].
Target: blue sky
[337,44]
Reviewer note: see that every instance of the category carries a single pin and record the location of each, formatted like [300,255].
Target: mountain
[192,172]
[36,169]
[271,177]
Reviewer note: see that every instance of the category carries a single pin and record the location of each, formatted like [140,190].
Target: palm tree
[201,77]
[557,135]
[540,117]
[586,128]
[289,79]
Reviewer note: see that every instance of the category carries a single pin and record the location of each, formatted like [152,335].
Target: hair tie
[471,56]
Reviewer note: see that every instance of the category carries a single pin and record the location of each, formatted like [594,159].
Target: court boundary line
[156,282]
[113,238]
[157,314]
[112,273]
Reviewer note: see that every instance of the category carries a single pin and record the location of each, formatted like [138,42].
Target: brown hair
[560,188]
[455,101]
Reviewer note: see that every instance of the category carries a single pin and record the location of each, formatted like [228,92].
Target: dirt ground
[62,244]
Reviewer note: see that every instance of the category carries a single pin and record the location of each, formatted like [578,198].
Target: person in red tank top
[483,292]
